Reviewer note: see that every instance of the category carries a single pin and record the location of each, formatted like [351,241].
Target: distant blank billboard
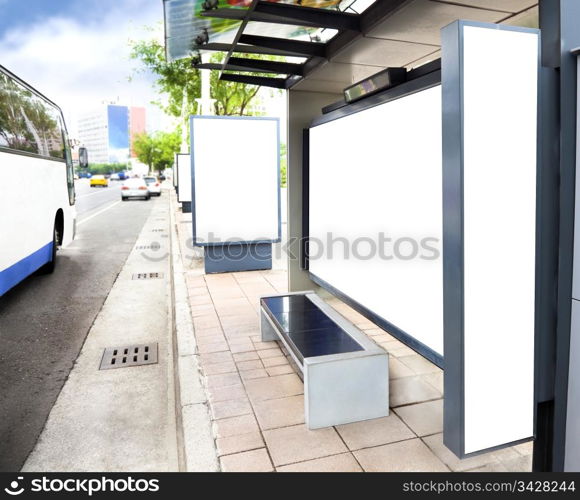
[236,180]
[183,166]
[375,214]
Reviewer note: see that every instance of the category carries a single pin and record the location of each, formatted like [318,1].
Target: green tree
[181,83]
[232,98]
[177,80]
[106,168]
[157,150]
[283,165]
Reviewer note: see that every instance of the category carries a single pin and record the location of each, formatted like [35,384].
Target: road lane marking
[97,192]
[98,213]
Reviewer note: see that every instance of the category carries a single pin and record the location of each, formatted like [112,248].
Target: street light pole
[206,103]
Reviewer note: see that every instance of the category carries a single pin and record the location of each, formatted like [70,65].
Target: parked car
[153,185]
[135,188]
[99,180]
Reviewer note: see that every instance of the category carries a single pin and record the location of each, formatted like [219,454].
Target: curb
[194,428]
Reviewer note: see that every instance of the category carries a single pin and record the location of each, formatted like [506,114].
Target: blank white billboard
[235,164]
[499,168]
[174,172]
[490,169]
[183,178]
[376,211]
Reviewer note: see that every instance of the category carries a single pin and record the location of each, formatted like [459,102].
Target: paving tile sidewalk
[256,398]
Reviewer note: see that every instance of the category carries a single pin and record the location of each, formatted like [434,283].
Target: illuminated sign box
[490,96]
[375,213]
[236,179]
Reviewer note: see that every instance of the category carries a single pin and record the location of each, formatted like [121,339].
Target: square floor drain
[147,276]
[129,355]
[154,246]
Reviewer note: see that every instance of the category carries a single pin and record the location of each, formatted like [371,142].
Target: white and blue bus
[37,194]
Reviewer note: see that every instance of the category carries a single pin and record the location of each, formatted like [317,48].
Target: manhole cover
[147,276]
[129,355]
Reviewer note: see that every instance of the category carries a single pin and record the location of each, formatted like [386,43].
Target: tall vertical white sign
[490,96]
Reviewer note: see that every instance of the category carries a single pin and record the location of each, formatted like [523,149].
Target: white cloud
[78,63]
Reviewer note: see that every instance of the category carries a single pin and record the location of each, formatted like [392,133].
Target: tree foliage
[231,98]
[157,150]
[174,79]
[106,168]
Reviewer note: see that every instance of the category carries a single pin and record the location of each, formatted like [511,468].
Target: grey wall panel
[572,460]
[572,447]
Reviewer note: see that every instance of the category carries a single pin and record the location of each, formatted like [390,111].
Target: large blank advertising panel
[236,180]
[375,214]
[490,96]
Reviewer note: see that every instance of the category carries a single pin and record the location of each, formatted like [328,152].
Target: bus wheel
[49,267]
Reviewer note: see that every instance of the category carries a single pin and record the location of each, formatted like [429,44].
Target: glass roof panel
[357,6]
[182,26]
[183,23]
[290,32]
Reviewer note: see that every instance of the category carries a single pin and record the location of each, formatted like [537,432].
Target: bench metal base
[345,390]
[237,257]
[340,388]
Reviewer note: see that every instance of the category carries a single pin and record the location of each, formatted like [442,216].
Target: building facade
[107,132]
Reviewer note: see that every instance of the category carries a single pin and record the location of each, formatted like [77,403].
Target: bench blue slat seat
[308,330]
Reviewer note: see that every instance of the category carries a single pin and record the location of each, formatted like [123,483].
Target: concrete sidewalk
[122,419]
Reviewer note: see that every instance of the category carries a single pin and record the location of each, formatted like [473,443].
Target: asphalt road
[91,198]
[45,319]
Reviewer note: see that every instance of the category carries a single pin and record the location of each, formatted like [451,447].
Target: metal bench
[346,375]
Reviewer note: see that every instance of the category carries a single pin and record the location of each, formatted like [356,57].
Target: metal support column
[554,364]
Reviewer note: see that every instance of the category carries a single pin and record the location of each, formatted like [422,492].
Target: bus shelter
[452,124]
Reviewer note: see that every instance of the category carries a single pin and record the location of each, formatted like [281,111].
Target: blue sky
[26,12]
[77,53]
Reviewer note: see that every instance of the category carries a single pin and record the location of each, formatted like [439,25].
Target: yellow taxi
[99,180]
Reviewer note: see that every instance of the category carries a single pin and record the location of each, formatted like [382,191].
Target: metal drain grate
[157,230]
[147,276]
[129,355]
